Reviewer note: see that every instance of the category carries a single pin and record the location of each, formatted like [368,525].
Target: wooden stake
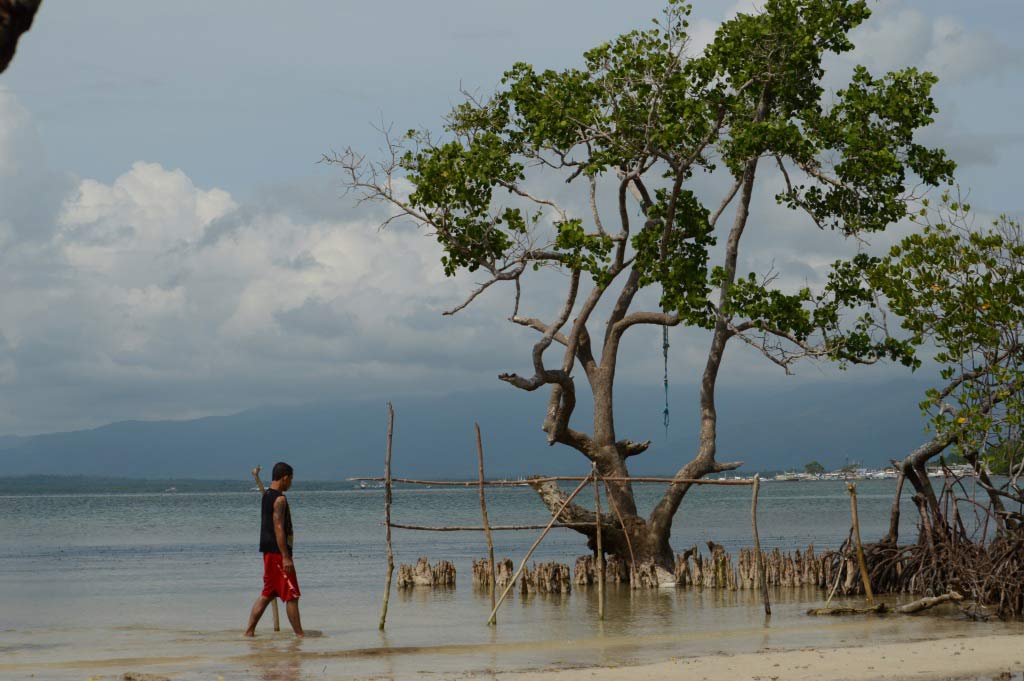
[600,547]
[259,484]
[483,512]
[387,515]
[494,612]
[852,489]
[759,560]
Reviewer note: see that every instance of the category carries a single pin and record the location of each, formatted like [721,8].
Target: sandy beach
[996,657]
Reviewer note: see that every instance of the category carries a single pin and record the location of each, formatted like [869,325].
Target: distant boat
[787,477]
[171,489]
[363,485]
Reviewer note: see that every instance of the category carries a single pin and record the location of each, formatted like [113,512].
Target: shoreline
[952,658]
[996,657]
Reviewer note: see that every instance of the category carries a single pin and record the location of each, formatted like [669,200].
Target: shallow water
[151,582]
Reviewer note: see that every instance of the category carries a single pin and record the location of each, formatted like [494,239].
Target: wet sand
[989,657]
[855,649]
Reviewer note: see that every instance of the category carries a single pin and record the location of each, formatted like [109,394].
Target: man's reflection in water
[280,663]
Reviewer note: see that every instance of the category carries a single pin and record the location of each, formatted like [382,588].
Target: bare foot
[300,634]
[249,634]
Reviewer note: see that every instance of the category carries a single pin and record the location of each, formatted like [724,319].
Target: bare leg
[292,607]
[257,611]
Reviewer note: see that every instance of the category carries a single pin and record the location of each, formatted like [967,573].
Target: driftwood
[881,608]
[876,609]
[929,602]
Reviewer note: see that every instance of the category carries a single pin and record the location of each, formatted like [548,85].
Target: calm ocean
[164,581]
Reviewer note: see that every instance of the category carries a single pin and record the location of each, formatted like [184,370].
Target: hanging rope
[664,349]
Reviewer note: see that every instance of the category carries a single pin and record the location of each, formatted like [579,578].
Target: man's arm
[280,512]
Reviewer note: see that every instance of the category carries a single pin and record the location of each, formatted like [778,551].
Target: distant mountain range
[832,423]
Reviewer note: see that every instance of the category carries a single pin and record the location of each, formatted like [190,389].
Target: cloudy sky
[169,246]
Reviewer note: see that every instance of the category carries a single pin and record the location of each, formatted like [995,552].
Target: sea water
[162,582]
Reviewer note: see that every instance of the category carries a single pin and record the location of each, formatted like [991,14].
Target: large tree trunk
[631,540]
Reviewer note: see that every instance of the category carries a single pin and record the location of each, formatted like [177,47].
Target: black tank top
[268,540]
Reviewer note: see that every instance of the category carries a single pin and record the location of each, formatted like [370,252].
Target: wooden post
[387,515]
[759,560]
[259,484]
[554,518]
[600,547]
[852,489]
[483,512]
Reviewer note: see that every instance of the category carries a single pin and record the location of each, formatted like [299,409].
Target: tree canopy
[633,125]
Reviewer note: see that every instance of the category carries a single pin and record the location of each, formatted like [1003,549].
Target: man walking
[279,580]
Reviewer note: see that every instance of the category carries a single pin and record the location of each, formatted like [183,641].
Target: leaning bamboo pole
[263,490]
[761,576]
[852,489]
[599,546]
[483,512]
[387,515]
[554,517]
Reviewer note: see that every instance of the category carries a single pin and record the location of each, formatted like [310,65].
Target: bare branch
[499,276]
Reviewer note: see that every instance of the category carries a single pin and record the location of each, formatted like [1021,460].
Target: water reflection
[284,663]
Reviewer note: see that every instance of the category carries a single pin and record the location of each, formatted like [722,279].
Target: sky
[170,246]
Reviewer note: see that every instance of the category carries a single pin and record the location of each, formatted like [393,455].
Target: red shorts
[277,582]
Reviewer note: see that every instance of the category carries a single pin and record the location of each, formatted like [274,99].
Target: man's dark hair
[281,469]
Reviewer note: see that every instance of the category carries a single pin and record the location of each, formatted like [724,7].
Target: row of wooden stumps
[444,572]
[715,570]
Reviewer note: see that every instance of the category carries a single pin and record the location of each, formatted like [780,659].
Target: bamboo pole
[259,484]
[762,577]
[533,548]
[483,512]
[558,478]
[600,547]
[387,515]
[481,528]
[852,489]
[622,523]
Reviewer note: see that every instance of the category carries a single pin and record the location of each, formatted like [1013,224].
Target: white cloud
[150,285]
[898,36]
